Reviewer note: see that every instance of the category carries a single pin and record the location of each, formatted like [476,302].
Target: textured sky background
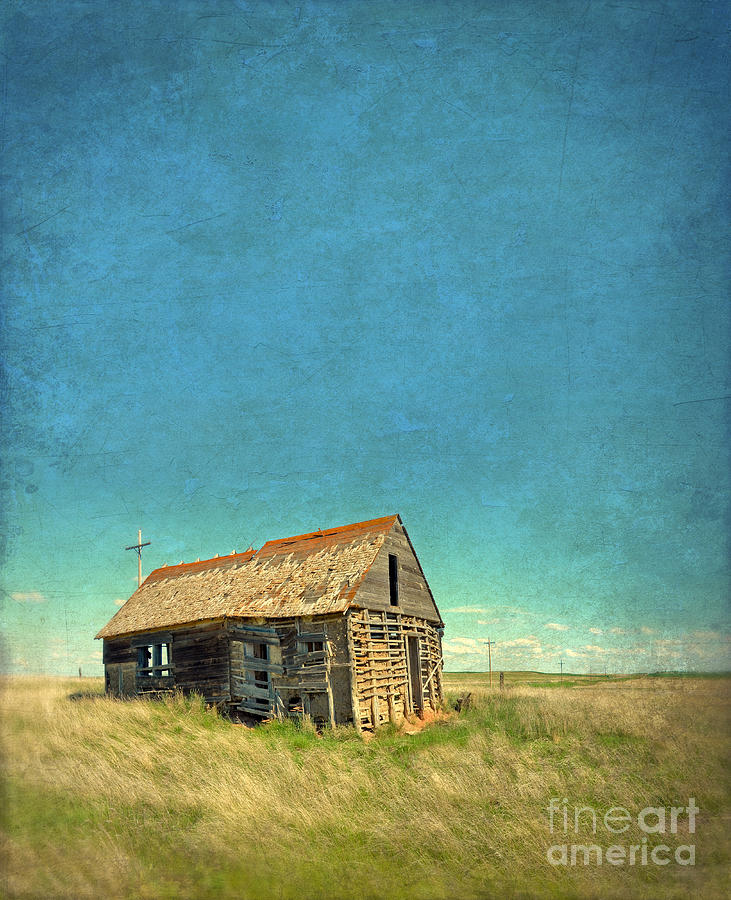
[275,266]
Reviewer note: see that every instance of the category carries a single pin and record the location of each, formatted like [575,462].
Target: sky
[270,267]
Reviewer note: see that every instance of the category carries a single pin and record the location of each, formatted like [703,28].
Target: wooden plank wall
[299,681]
[381,690]
[302,681]
[249,695]
[120,662]
[199,662]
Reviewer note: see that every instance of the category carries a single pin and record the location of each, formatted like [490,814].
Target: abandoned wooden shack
[340,625]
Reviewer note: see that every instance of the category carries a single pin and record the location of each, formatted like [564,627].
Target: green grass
[145,799]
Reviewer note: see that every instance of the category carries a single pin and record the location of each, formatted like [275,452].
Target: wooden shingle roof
[309,574]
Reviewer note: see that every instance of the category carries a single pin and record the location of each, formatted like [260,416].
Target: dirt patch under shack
[415,724]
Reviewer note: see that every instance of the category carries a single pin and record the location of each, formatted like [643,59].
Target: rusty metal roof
[309,574]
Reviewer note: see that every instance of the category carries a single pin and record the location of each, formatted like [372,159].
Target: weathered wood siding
[251,677]
[199,662]
[302,681]
[414,596]
[120,662]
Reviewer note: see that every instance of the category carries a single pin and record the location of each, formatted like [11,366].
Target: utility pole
[561,664]
[138,547]
[489,656]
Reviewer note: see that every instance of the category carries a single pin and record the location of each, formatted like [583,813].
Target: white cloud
[617,630]
[467,609]
[554,626]
[462,645]
[521,642]
[593,648]
[487,621]
[119,601]
[596,631]
[28,597]
[645,630]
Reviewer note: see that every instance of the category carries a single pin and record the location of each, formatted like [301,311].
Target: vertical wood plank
[353,674]
[328,679]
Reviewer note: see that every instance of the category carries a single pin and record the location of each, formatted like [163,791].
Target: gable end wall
[414,596]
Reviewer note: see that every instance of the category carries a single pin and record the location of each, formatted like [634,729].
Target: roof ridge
[203,564]
[367,525]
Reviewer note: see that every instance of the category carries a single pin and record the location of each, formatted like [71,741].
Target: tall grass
[106,798]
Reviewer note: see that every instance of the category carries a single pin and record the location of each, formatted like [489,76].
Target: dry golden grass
[109,798]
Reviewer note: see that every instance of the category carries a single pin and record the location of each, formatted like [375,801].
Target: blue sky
[270,267]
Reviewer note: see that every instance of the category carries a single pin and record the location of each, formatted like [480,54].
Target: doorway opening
[413,663]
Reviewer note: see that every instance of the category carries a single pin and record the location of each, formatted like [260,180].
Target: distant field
[459,680]
[164,800]
[464,681]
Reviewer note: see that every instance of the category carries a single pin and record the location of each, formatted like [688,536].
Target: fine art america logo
[652,820]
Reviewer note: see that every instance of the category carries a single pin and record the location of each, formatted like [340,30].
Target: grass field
[107,799]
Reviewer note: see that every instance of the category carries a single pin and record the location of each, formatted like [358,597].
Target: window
[378,632]
[153,659]
[393,578]
[314,646]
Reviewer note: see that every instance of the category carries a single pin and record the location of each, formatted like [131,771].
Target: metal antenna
[138,547]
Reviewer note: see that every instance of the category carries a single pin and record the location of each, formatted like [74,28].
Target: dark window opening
[143,659]
[314,646]
[261,676]
[393,578]
[153,659]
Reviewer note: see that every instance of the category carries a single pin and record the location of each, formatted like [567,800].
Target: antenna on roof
[138,547]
